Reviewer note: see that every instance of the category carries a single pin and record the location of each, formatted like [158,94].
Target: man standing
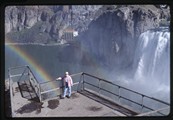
[67,83]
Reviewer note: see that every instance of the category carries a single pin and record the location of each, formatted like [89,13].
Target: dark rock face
[54,20]
[18,18]
[108,32]
[113,36]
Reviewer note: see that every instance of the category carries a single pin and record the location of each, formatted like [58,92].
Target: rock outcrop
[108,32]
[49,20]
[112,37]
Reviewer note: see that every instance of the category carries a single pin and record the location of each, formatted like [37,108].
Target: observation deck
[91,96]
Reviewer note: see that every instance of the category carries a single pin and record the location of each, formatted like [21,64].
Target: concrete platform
[26,92]
[76,106]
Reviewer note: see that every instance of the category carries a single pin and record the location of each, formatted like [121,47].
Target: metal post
[11,93]
[40,93]
[80,83]
[29,73]
[142,103]
[99,86]
[83,83]
[119,94]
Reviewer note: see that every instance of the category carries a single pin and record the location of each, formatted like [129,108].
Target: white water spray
[152,62]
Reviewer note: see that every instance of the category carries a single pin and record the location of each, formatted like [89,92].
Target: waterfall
[152,59]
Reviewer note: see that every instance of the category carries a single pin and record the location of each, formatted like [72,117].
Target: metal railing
[34,82]
[81,85]
[153,113]
[16,74]
[120,95]
[56,87]
[84,81]
[15,77]
[23,74]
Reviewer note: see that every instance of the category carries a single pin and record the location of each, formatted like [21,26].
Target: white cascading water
[152,62]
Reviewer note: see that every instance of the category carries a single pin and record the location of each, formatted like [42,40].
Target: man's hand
[59,78]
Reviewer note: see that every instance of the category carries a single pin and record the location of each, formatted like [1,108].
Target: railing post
[11,93]
[119,94]
[80,83]
[40,93]
[83,82]
[142,103]
[99,86]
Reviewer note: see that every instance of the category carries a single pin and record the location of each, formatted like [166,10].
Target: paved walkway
[77,106]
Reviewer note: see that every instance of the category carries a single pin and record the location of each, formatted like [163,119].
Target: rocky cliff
[44,24]
[112,37]
[108,32]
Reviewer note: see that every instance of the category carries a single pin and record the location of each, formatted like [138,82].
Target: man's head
[66,73]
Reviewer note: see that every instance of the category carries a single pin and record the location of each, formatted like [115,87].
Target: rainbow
[38,70]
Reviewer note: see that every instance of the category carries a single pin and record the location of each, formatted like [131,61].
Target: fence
[21,74]
[123,95]
[84,81]
[113,92]
[54,88]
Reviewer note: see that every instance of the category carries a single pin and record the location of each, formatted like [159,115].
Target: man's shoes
[68,96]
[62,97]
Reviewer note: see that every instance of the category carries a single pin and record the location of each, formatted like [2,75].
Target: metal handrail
[120,87]
[32,74]
[128,99]
[127,89]
[43,92]
[29,72]
[17,67]
[22,75]
[154,111]
[82,81]
[35,79]
[80,73]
